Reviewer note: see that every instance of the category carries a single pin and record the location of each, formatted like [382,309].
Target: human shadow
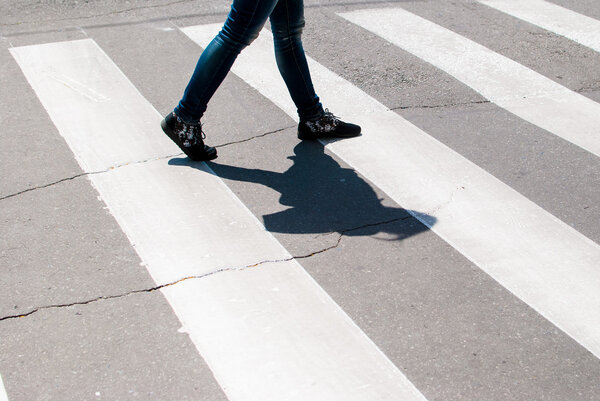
[323,197]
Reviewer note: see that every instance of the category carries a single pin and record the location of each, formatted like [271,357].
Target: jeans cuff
[311,114]
[183,116]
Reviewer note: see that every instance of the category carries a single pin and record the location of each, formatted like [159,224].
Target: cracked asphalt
[216,271]
[42,186]
[81,318]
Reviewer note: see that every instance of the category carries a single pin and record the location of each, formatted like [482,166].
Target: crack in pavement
[438,106]
[224,12]
[341,234]
[84,174]
[43,186]
[254,137]
[115,12]
[436,209]
[151,289]
[590,89]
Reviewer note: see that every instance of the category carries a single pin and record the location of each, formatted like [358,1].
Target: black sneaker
[189,138]
[327,126]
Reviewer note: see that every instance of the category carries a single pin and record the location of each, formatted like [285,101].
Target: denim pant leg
[287,23]
[242,26]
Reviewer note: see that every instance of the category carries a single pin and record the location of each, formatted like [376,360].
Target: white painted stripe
[268,333]
[3,396]
[577,27]
[543,261]
[510,85]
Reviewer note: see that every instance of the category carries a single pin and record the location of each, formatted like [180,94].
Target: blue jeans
[243,25]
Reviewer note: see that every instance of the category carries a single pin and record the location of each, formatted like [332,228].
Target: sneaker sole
[309,137]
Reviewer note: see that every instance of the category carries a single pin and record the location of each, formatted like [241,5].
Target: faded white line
[543,261]
[3,396]
[79,88]
[562,21]
[510,85]
[269,333]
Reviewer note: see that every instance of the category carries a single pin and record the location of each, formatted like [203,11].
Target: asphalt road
[83,315]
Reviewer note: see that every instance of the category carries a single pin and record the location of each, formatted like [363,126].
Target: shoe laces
[190,134]
[330,118]
[199,128]
[326,123]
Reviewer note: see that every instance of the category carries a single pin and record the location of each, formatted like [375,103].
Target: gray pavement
[95,328]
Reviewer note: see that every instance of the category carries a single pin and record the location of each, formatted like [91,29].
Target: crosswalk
[264,326]
[447,193]
[572,25]
[155,203]
[521,91]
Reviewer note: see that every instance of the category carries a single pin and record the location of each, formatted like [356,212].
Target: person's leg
[245,20]
[242,26]
[287,23]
